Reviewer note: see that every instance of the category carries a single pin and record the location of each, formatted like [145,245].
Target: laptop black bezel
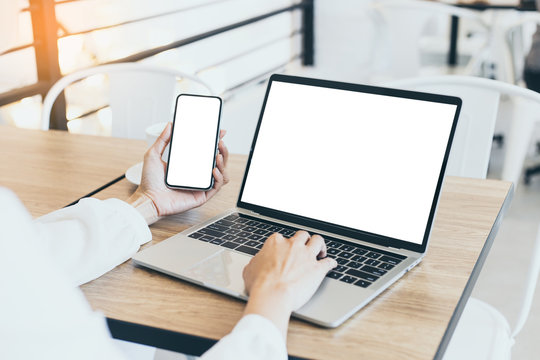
[342,230]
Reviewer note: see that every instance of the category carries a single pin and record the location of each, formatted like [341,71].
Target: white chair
[482,332]
[474,134]
[400,24]
[139,95]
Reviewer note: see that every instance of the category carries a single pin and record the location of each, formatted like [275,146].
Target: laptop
[360,165]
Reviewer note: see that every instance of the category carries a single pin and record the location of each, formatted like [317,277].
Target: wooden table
[414,318]
[50,169]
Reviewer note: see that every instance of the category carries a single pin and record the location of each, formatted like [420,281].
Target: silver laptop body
[365,172]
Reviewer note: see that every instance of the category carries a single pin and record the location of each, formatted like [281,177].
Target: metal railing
[47,31]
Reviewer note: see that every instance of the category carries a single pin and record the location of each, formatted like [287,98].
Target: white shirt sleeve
[41,315]
[44,316]
[254,337]
[92,237]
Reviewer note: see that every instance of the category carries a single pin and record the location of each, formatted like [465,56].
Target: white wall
[343,40]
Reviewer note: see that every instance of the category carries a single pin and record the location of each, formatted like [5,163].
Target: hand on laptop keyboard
[285,274]
[358,265]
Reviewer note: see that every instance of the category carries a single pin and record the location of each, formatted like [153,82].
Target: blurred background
[231,47]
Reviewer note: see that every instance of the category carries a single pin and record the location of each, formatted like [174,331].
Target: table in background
[50,169]
[414,318]
[478,5]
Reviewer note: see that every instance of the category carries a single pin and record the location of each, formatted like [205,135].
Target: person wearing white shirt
[43,313]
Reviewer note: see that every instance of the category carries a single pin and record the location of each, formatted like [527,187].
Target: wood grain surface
[50,169]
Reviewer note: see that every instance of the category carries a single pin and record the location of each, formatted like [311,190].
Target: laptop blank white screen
[365,161]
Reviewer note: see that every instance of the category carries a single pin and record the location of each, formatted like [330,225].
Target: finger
[247,276]
[218,179]
[223,151]
[326,264]
[317,246]
[163,140]
[222,133]
[274,237]
[219,162]
[218,183]
[221,167]
[210,193]
[300,237]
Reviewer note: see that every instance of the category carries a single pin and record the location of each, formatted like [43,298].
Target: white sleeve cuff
[92,237]
[253,337]
[134,218]
[264,326]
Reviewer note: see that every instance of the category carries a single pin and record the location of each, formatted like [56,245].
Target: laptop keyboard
[357,264]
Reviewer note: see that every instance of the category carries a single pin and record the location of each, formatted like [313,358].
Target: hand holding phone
[169,201]
[194,142]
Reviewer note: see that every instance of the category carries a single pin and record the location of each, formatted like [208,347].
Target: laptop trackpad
[176,254]
[222,271]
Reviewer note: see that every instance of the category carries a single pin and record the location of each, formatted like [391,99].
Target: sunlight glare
[105,120]
[26,113]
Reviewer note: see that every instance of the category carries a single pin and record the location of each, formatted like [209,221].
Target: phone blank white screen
[364,161]
[191,159]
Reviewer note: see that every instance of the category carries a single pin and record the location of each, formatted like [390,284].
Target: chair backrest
[513,50]
[139,95]
[472,144]
[400,24]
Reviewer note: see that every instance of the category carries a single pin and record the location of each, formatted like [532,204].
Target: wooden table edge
[161,338]
[95,191]
[474,276]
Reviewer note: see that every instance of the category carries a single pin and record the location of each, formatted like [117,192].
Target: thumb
[163,140]
[327,264]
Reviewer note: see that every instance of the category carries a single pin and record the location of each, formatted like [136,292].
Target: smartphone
[194,142]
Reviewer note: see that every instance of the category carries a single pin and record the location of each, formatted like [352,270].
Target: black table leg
[452,52]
